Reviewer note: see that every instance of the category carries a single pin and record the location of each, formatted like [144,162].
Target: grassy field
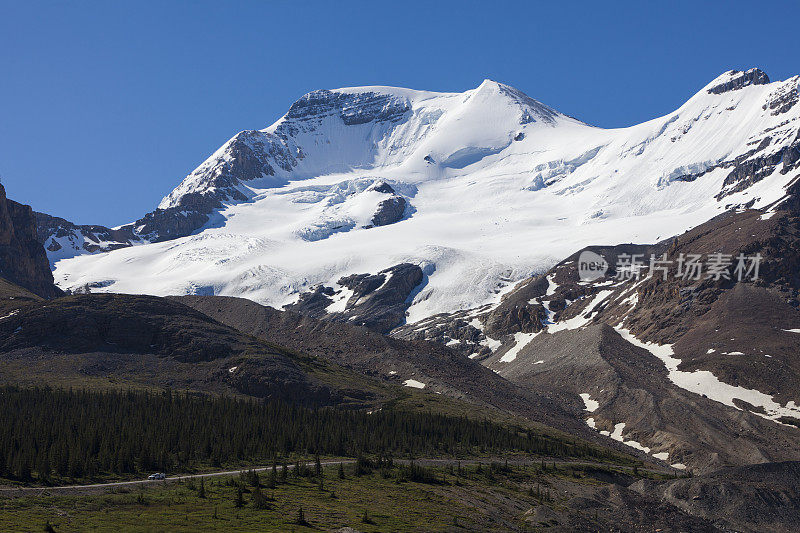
[396,498]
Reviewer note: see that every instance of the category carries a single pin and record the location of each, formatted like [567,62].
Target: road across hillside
[6,491]
[93,487]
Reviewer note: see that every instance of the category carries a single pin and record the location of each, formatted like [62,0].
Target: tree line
[83,434]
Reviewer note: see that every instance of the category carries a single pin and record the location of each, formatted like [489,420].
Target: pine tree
[317,466]
[259,501]
[239,503]
[301,518]
[366,519]
[341,470]
[201,493]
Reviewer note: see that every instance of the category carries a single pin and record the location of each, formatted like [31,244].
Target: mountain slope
[412,363]
[479,189]
[703,372]
[22,259]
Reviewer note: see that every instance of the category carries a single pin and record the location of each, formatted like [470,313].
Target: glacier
[497,187]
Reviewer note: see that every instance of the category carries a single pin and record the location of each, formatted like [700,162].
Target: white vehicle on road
[159,475]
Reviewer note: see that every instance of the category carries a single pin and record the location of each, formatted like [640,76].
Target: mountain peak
[733,80]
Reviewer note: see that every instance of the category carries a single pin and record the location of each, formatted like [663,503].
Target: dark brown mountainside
[22,259]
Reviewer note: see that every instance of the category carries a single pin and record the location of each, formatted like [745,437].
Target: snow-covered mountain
[479,189]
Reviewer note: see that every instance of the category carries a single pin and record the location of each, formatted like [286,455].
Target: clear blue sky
[106,106]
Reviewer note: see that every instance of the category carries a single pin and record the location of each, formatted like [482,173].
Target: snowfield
[497,185]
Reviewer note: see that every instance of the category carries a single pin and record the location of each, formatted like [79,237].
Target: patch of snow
[617,433]
[414,383]
[551,285]
[663,456]
[520,341]
[636,445]
[679,466]
[491,343]
[591,405]
[340,299]
[232,369]
[9,315]
[703,382]
[584,317]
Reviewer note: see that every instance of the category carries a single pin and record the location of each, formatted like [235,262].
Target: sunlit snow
[498,186]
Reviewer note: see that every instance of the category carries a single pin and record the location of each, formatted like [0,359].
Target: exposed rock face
[737,80]
[783,99]
[249,155]
[353,109]
[377,301]
[60,235]
[516,313]
[23,260]
[390,210]
[460,331]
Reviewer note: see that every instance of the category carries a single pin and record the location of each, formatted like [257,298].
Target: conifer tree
[259,501]
[301,518]
[239,502]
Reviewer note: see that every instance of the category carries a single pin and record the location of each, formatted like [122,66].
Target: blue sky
[106,106]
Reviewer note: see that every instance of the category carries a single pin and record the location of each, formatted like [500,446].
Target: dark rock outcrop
[782,100]
[376,301]
[23,260]
[50,229]
[389,211]
[737,80]
[353,109]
